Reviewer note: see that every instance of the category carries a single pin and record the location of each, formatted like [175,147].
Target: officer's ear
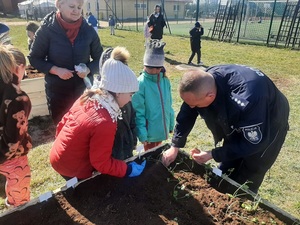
[211,96]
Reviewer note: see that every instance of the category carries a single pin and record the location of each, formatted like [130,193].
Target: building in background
[126,10]
[9,6]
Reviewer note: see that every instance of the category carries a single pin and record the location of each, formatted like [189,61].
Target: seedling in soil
[252,206]
[242,187]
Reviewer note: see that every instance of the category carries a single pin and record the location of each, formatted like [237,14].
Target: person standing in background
[195,40]
[31,28]
[63,41]
[112,24]
[93,21]
[156,23]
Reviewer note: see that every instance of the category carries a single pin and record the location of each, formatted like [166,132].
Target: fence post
[241,19]
[271,22]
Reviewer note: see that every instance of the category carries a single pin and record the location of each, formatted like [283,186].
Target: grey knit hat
[116,76]
[154,55]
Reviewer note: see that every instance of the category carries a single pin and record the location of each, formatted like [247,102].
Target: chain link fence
[265,22]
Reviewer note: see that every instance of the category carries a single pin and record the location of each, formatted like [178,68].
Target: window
[89,7]
[140,6]
[176,7]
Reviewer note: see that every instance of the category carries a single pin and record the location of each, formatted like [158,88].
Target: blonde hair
[61,1]
[8,64]
[18,55]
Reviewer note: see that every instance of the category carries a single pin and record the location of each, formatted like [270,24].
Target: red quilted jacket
[84,141]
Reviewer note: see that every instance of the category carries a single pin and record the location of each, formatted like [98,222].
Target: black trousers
[253,168]
[198,52]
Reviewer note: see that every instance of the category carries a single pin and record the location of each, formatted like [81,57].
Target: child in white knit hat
[153,101]
[125,138]
[85,136]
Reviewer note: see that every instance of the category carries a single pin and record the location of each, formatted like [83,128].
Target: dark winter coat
[246,114]
[158,24]
[52,47]
[93,21]
[125,139]
[111,22]
[195,38]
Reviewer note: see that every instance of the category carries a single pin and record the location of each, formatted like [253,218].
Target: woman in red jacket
[85,135]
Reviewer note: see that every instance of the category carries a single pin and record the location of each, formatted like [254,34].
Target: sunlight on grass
[281,185]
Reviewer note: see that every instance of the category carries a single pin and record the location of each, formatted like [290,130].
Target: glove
[136,168]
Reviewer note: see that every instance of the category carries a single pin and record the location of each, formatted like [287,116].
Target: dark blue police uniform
[250,116]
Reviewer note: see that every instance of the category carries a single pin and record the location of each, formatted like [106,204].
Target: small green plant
[236,194]
[251,206]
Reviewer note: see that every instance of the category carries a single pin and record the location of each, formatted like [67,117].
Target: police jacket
[246,114]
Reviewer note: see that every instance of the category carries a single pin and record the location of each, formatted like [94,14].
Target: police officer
[243,108]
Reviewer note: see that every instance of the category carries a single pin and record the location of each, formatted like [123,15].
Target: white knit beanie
[116,76]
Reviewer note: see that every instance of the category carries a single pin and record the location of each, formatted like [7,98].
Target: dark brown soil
[31,72]
[159,196]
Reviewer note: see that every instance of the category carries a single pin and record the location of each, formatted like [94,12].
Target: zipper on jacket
[162,106]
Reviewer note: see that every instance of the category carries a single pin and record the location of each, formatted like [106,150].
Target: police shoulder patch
[252,133]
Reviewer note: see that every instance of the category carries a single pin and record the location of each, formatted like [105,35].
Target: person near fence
[15,142]
[111,24]
[156,23]
[31,29]
[93,21]
[153,101]
[85,136]
[63,41]
[195,41]
[244,109]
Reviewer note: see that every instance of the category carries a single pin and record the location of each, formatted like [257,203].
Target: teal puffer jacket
[153,106]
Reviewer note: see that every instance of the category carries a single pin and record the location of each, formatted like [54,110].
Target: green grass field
[281,185]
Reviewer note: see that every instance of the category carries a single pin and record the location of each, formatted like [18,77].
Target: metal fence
[266,22]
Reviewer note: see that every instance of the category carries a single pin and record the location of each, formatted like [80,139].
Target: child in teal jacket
[153,101]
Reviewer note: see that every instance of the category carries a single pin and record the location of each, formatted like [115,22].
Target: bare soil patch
[31,72]
[159,196]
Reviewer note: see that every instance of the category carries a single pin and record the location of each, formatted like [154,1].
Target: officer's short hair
[196,82]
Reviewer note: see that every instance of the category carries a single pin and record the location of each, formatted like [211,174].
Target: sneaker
[200,63]
[8,206]
[190,63]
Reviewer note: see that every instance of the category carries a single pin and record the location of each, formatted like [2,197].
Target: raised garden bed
[34,86]
[186,193]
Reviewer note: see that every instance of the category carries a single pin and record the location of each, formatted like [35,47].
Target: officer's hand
[136,168]
[201,156]
[194,151]
[169,156]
